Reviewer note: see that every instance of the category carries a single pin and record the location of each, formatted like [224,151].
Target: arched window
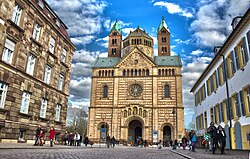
[105,91]
[143,72]
[124,72]
[167,91]
[144,113]
[106,73]
[136,72]
[139,72]
[169,72]
[100,72]
[135,111]
[128,73]
[125,113]
[129,111]
[109,73]
[159,72]
[173,73]
[140,111]
[147,72]
[166,72]
[112,72]
[140,41]
[162,72]
[137,41]
[132,72]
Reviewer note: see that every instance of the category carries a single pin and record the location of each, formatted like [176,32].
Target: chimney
[216,49]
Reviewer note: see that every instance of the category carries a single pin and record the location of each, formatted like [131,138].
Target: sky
[196,26]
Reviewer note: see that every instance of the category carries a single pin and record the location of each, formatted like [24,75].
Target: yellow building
[134,93]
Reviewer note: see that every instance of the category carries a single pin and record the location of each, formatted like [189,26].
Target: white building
[211,92]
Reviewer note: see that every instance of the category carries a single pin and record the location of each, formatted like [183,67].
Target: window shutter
[236,57]
[233,62]
[245,49]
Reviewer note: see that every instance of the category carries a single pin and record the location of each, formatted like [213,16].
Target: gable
[136,58]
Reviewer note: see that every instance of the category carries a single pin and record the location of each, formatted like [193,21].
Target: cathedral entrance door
[134,131]
[167,134]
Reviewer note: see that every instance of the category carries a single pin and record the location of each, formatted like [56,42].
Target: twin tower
[138,38]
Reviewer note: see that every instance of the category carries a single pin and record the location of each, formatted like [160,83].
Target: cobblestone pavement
[202,154]
[28,151]
[89,153]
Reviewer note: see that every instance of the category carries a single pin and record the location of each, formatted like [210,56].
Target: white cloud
[103,41]
[80,89]
[179,41]
[196,52]
[174,9]
[213,20]
[126,31]
[83,18]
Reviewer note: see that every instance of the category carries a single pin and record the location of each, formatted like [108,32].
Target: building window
[40,3]
[43,108]
[113,51]
[242,103]
[16,14]
[243,51]
[105,92]
[164,39]
[60,83]
[236,56]
[58,23]
[212,114]
[52,45]
[31,64]
[237,105]
[36,33]
[232,62]
[221,112]
[3,92]
[58,111]
[205,119]
[25,102]
[64,54]
[147,72]
[248,98]
[47,74]
[114,41]
[164,49]
[8,51]
[167,91]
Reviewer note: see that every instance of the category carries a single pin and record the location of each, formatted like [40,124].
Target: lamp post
[228,106]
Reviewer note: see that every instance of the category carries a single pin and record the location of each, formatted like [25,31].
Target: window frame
[52,44]
[58,112]
[60,82]
[3,93]
[43,108]
[30,68]
[37,32]
[47,75]
[16,14]
[8,51]
[105,91]
[25,102]
[64,55]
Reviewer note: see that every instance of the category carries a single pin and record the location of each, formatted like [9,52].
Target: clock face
[135,90]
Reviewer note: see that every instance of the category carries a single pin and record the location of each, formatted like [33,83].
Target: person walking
[222,138]
[41,138]
[108,140]
[52,134]
[65,138]
[184,142]
[86,141]
[38,130]
[113,141]
[77,138]
[212,130]
[193,141]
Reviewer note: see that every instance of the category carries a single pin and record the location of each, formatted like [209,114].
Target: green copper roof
[163,24]
[105,62]
[116,27]
[168,60]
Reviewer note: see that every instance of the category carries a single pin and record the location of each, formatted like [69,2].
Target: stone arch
[167,133]
[135,117]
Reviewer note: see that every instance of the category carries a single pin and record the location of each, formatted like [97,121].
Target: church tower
[115,41]
[163,37]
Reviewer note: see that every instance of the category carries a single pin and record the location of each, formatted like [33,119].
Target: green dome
[116,27]
[163,24]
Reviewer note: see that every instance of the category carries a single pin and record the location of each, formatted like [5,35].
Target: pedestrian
[184,142]
[65,138]
[113,141]
[86,141]
[222,138]
[41,137]
[171,143]
[52,134]
[159,145]
[38,130]
[193,140]
[108,140]
[72,139]
[212,130]
[77,138]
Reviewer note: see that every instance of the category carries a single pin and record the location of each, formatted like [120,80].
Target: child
[40,138]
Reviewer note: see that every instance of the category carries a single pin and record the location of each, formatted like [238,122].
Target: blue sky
[196,26]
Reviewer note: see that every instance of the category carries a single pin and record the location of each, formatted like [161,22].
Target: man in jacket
[212,130]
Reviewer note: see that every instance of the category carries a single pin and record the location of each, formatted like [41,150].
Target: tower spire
[163,37]
[115,40]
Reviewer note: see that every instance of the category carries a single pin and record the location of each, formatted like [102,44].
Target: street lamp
[228,106]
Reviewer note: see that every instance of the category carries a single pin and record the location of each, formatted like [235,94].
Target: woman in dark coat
[222,138]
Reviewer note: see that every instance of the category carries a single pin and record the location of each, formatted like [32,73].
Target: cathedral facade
[134,93]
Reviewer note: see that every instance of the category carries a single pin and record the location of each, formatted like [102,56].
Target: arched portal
[134,130]
[167,134]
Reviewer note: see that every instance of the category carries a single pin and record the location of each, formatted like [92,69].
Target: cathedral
[135,93]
